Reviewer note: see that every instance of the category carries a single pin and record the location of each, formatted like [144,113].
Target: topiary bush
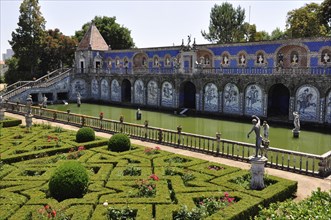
[85,134]
[70,180]
[119,143]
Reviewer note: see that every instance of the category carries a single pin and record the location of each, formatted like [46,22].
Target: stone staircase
[20,87]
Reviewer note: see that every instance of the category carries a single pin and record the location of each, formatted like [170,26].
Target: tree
[325,14]
[261,35]
[249,32]
[277,34]
[115,35]
[226,24]
[27,40]
[304,22]
[58,51]
[12,72]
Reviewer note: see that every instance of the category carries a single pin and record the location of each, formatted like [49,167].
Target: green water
[309,142]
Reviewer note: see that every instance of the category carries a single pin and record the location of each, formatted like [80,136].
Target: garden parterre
[30,157]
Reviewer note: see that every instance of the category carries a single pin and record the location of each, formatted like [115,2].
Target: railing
[304,163]
[45,81]
[225,70]
[14,86]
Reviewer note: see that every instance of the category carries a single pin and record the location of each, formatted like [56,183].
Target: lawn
[149,182]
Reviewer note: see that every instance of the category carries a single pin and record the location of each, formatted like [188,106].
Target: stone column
[257,172]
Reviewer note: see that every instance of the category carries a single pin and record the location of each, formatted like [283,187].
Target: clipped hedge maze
[28,159]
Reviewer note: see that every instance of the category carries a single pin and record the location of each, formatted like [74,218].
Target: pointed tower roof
[92,40]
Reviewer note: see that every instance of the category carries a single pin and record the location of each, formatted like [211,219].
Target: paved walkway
[306,184]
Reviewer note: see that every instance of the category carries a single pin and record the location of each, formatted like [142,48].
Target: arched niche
[167,94]
[152,93]
[253,100]
[211,98]
[231,99]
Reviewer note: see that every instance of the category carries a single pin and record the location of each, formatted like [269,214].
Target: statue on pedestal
[296,122]
[44,104]
[78,99]
[256,128]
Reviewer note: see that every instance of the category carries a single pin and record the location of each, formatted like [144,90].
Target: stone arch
[231,98]
[140,60]
[285,56]
[324,56]
[117,62]
[126,91]
[97,62]
[242,58]
[167,60]
[156,61]
[78,86]
[207,56]
[167,94]
[260,58]
[139,91]
[225,59]
[94,88]
[82,62]
[104,89]
[253,100]
[126,61]
[328,107]
[211,97]
[152,93]
[187,95]
[307,102]
[278,100]
[116,91]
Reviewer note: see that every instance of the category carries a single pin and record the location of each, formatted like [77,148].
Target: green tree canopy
[115,35]
[27,38]
[305,22]
[58,51]
[277,34]
[325,15]
[226,24]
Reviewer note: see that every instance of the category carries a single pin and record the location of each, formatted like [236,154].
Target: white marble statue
[296,121]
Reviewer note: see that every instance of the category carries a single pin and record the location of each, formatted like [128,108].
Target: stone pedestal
[295,133]
[28,120]
[257,171]
[2,114]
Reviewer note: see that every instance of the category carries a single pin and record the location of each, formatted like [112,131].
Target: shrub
[119,143]
[11,122]
[317,206]
[85,134]
[70,180]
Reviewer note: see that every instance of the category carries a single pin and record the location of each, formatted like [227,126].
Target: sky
[152,23]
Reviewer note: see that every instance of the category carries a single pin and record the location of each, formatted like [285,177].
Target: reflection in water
[309,142]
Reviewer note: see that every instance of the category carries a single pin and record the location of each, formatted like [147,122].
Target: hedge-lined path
[306,184]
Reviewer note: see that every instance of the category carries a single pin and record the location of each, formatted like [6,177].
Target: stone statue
[78,99]
[260,59]
[188,41]
[326,58]
[44,104]
[226,60]
[28,104]
[265,130]
[242,59]
[256,128]
[295,58]
[296,121]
